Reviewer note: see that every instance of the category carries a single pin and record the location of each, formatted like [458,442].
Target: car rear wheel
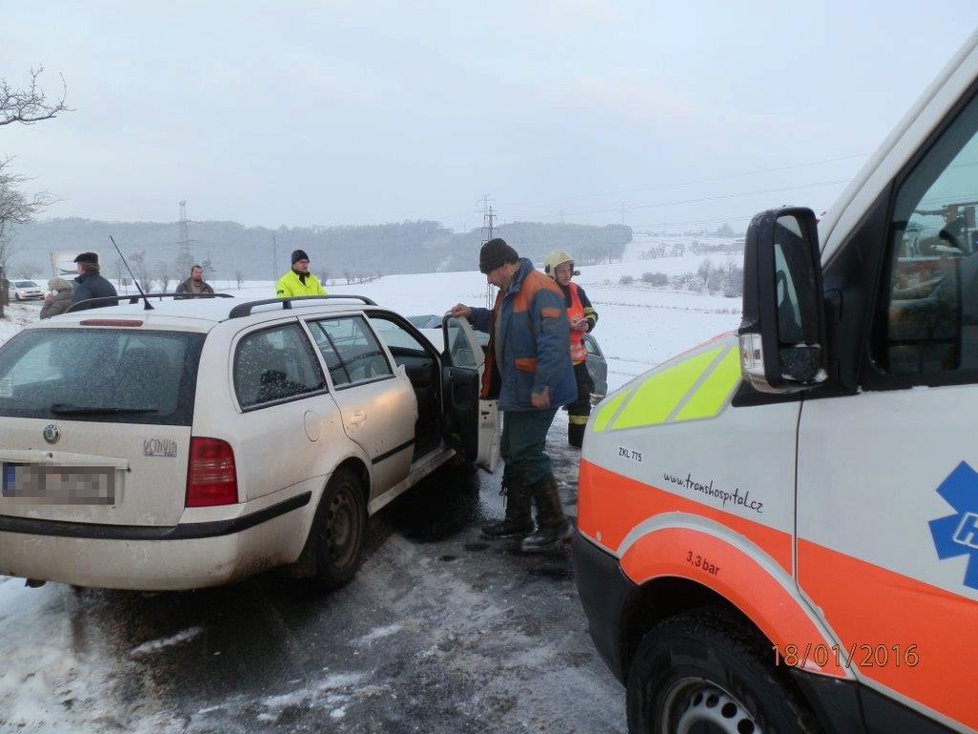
[340,528]
[704,673]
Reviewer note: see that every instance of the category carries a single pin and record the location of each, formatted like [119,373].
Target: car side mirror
[782,331]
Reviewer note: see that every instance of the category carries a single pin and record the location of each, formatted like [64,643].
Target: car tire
[706,671]
[340,529]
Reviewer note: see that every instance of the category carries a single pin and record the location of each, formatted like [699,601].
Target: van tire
[705,666]
[340,529]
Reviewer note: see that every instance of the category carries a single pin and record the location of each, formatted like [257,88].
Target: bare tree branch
[30,105]
[16,207]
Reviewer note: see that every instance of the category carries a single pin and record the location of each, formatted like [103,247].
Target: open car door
[476,421]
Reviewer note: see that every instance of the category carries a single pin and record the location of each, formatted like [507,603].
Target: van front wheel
[704,672]
[340,528]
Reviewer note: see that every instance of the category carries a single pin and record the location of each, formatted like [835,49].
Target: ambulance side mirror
[782,331]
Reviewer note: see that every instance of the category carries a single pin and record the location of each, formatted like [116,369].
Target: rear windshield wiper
[68,409]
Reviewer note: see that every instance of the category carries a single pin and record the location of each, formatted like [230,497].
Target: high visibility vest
[291,285]
[575,313]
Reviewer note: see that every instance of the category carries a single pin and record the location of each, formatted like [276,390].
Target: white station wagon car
[166,444]
[25,290]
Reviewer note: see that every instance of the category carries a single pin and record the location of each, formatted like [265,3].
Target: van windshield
[103,375]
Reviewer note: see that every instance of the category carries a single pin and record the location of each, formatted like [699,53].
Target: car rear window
[102,375]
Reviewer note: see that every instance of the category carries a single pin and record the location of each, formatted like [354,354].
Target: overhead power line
[692,182]
[693,222]
[720,197]
[701,199]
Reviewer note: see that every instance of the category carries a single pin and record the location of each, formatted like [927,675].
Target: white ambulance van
[778,530]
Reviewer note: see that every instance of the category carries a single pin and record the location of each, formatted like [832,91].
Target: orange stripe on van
[610,505]
[866,605]
[741,580]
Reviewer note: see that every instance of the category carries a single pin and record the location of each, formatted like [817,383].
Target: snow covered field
[639,326]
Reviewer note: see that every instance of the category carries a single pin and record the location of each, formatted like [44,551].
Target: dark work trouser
[523,446]
[580,409]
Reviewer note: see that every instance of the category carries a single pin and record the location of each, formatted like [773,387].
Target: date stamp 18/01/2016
[856,655]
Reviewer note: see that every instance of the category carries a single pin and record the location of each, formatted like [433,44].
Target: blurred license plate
[59,485]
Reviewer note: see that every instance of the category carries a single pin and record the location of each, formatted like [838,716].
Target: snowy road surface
[440,632]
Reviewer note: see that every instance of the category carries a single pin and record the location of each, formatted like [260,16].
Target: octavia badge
[52,433]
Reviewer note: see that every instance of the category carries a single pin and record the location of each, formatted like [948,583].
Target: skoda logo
[52,433]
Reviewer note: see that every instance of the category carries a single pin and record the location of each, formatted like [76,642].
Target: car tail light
[211,477]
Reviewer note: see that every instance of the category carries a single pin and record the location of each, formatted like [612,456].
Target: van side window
[929,323]
[351,351]
[275,364]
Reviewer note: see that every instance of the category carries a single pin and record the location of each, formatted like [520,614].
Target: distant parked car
[25,290]
[597,365]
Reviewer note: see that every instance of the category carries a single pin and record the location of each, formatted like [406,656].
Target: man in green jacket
[299,281]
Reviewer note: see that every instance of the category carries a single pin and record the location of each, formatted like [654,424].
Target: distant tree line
[355,253]
[725,279]
[696,247]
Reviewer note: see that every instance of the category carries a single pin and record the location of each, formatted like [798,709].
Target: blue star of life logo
[957,534]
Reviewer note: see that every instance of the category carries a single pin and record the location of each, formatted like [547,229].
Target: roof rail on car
[245,309]
[136,298]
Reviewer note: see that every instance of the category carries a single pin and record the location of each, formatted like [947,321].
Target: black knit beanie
[298,255]
[495,253]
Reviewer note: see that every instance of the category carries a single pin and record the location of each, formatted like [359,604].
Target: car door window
[929,320]
[461,348]
[399,340]
[275,364]
[351,351]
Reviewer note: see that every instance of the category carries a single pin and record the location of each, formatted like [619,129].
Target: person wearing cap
[528,369]
[582,316]
[299,281]
[58,298]
[90,284]
[195,285]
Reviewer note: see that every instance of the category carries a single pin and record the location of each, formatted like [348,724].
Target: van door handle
[357,419]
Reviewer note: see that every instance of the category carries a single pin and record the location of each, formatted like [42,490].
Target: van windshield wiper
[68,409]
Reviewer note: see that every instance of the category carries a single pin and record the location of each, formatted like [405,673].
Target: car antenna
[147,305]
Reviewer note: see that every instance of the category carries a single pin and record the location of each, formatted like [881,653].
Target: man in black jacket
[89,284]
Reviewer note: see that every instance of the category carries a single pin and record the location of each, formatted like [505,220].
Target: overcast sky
[664,115]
